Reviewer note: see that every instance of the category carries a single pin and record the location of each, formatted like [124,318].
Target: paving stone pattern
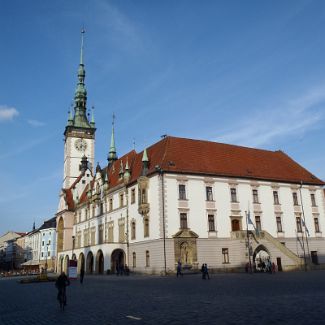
[283,298]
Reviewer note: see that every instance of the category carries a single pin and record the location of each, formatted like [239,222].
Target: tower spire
[82,46]
[112,156]
[80,118]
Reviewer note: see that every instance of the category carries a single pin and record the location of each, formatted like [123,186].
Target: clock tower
[79,134]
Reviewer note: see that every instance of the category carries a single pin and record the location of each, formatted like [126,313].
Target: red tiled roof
[199,157]
[211,158]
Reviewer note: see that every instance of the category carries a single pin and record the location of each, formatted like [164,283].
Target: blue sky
[244,72]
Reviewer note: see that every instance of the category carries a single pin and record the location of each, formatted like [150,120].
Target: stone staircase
[281,247]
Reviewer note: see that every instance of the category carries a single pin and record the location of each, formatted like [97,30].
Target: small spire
[92,123]
[127,174]
[145,156]
[121,169]
[112,156]
[145,163]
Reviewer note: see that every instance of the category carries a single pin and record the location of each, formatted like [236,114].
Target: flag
[249,221]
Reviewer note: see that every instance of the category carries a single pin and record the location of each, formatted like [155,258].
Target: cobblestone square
[283,298]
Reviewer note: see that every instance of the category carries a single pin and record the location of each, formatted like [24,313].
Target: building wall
[209,245]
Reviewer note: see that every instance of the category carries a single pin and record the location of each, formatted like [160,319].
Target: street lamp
[73,241]
[47,249]
[161,173]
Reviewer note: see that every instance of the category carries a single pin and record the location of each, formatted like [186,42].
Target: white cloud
[292,117]
[7,113]
[35,123]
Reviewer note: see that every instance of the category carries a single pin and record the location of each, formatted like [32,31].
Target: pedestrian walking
[273,268]
[206,271]
[82,274]
[203,271]
[179,269]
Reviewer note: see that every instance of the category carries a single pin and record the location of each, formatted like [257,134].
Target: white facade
[146,253]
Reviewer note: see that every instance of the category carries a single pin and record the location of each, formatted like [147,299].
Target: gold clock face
[80,145]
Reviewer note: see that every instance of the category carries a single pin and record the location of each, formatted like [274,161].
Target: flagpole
[304,219]
[248,245]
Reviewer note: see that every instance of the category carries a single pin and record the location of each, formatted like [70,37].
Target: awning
[30,263]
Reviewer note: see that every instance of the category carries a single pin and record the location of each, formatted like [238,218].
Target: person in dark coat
[82,274]
[206,271]
[61,283]
[203,271]
[179,269]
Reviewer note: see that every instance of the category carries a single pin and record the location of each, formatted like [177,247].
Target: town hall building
[183,201]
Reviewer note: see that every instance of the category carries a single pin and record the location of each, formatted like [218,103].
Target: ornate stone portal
[185,248]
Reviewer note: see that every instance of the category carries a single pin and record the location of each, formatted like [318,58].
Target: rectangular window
[143,196]
[276,197]
[183,217]
[92,236]
[133,230]
[146,226]
[121,199]
[298,223]
[209,194]
[225,256]
[295,198]
[43,243]
[133,196]
[211,222]
[313,200]
[86,240]
[233,195]
[100,234]
[110,204]
[255,196]
[258,223]
[121,232]
[110,237]
[181,192]
[316,222]
[134,259]
[278,224]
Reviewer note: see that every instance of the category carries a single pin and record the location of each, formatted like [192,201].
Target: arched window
[133,230]
[134,259]
[147,259]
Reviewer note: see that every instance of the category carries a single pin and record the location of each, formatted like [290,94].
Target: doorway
[117,260]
